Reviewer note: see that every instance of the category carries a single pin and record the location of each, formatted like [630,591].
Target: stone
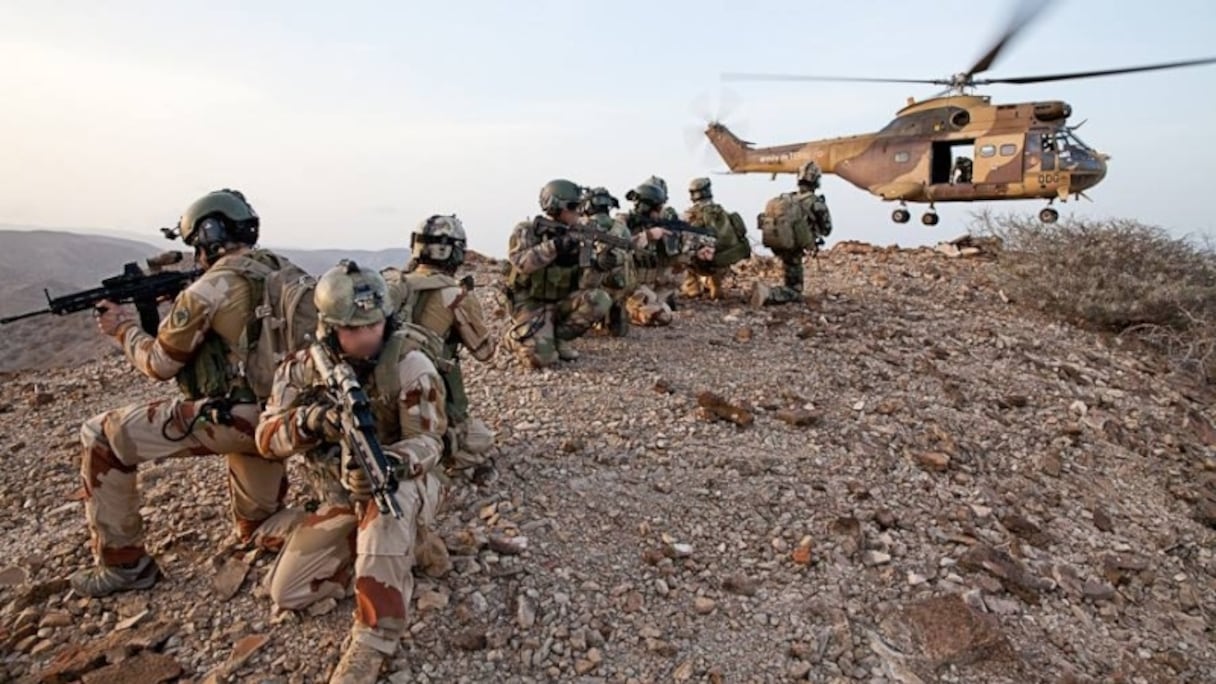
[146,668]
[431,600]
[933,461]
[703,605]
[525,614]
[872,558]
[799,417]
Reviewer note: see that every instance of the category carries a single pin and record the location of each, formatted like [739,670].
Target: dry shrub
[1117,275]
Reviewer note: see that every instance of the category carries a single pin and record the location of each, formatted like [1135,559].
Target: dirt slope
[927,485]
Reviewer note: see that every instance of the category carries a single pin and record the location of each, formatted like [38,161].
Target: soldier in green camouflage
[621,280]
[197,346]
[730,245]
[548,308]
[348,542]
[816,220]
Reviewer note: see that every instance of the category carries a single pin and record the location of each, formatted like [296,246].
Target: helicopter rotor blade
[1025,13]
[1100,72]
[847,79]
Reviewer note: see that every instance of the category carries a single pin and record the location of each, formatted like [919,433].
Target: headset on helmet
[599,201]
[558,195]
[809,173]
[215,220]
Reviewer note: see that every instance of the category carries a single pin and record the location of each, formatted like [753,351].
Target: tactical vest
[385,387]
[552,283]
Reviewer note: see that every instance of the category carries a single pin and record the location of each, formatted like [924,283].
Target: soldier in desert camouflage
[196,346]
[548,307]
[730,245]
[428,294]
[340,544]
[813,223]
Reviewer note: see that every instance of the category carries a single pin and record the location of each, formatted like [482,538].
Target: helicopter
[956,146]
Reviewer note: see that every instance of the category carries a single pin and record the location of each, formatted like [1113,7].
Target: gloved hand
[323,421]
[607,261]
[566,245]
[355,481]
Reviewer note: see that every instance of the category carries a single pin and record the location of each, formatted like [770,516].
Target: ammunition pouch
[208,374]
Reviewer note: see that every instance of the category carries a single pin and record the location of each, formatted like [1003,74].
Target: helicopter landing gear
[901,215]
[1049,215]
[929,218]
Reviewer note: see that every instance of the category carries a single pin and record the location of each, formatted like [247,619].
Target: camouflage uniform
[660,263]
[815,206]
[548,308]
[349,542]
[205,322]
[429,295]
[621,280]
[730,245]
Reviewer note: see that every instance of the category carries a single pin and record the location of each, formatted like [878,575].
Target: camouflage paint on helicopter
[1018,151]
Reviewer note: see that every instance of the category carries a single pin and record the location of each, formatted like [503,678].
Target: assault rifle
[358,427]
[144,289]
[671,243]
[587,236]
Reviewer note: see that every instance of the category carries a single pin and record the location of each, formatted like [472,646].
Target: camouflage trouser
[698,280]
[646,308]
[116,442]
[537,326]
[470,441]
[791,289]
[333,548]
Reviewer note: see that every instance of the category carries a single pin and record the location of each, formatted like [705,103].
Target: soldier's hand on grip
[355,481]
[109,316]
[565,245]
[323,421]
[606,261]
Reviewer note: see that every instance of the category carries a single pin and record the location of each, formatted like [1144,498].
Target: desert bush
[1117,275]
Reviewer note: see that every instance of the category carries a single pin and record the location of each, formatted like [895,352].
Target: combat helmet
[349,295]
[809,174]
[599,201]
[657,182]
[647,194]
[700,189]
[560,194]
[216,219]
[439,240]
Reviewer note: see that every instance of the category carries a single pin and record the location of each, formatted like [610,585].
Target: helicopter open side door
[998,159]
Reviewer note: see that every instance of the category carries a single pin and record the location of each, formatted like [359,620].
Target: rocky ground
[908,479]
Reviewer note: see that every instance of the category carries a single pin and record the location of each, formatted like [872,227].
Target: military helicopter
[954,147]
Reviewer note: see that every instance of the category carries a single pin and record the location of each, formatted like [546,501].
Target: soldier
[730,247]
[792,225]
[620,281]
[196,345]
[664,256]
[548,309]
[340,543]
[428,294]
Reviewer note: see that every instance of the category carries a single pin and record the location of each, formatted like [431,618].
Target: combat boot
[565,352]
[618,320]
[360,664]
[103,580]
[713,288]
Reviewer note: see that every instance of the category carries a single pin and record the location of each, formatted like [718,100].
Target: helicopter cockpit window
[987,150]
[1007,150]
[901,157]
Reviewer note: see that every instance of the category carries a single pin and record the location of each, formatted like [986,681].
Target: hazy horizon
[346,128]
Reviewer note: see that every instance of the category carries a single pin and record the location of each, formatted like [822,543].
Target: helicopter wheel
[929,218]
[1049,215]
[901,216]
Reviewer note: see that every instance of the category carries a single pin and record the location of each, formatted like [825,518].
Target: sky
[346,125]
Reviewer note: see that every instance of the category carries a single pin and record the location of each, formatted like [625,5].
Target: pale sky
[346,124]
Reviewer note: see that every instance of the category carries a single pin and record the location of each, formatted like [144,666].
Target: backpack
[785,225]
[743,249]
[284,315]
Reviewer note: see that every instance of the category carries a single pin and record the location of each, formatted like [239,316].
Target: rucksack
[284,315]
[785,225]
